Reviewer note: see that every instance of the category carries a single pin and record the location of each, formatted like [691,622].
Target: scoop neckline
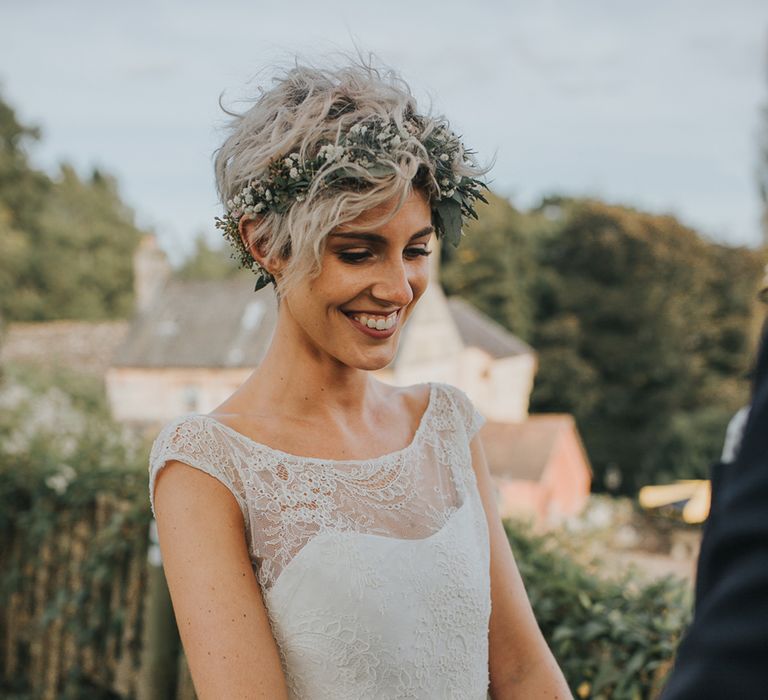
[318,460]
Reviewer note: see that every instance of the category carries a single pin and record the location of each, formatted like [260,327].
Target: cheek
[420,278]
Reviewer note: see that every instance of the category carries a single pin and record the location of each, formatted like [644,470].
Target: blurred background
[603,313]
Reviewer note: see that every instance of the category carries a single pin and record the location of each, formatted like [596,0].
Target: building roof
[523,450]
[480,331]
[202,323]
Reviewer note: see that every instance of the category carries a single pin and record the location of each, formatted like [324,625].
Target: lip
[377,312]
[373,332]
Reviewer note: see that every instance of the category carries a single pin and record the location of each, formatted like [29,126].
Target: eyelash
[360,257]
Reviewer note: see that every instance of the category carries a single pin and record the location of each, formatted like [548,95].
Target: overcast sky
[653,104]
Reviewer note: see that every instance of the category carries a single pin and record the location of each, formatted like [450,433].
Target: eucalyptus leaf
[262,281]
[450,220]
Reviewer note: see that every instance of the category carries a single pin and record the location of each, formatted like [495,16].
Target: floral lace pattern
[375,573]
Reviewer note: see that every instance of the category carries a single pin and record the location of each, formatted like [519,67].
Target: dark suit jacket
[724,654]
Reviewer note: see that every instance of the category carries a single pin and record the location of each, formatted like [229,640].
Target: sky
[655,105]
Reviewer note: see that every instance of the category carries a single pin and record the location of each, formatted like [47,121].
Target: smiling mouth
[376,321]
[375,325]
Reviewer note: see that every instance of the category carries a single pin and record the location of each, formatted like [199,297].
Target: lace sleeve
[187,440]
[469,416]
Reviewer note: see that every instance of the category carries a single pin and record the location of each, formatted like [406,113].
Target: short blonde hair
[305,108]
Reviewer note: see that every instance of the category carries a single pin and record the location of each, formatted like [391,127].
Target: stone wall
[85,346]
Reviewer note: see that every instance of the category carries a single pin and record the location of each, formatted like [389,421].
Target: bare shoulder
[414,398]
[219,608]
[181,489]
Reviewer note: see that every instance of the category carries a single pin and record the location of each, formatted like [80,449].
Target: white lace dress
[375,573]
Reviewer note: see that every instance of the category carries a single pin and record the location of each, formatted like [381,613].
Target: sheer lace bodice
[375,573]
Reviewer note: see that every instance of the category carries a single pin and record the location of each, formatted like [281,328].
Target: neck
[295,378]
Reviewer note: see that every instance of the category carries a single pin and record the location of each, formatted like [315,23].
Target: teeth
[378,323]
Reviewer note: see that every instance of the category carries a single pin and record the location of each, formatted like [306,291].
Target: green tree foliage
[492,268]
[22,189]
[86,264]
[207,262]
[22,194]
[66,244]
[656,320]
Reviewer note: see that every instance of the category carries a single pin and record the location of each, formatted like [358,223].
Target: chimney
[151,270]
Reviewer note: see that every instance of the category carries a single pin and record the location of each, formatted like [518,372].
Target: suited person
[724,654]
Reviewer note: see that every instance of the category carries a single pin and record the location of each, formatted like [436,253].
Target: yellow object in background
[694,493]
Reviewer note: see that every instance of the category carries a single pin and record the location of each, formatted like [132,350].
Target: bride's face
[371,276]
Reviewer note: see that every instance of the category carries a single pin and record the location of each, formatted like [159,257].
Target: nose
[393,284]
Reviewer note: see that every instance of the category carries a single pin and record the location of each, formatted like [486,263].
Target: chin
[372,364]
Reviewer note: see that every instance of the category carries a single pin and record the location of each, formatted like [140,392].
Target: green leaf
[449,220]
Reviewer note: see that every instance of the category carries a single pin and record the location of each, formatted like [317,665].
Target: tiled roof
[480,331]
[221,323]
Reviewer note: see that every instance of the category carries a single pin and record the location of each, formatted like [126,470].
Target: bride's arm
[521,664]
[217,601]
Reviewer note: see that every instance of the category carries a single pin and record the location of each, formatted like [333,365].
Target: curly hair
[305,108]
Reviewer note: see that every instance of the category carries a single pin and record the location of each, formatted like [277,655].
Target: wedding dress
[374,573]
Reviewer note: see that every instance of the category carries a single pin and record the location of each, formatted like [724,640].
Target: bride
[324,534]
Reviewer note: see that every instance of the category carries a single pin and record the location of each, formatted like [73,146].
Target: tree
[22,194]
[66,244]
[494,266]
[207,262]
[643,331]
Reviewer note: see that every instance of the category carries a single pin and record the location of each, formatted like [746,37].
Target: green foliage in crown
[374,147]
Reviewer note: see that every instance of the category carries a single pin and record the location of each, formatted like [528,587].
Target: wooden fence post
[161,644]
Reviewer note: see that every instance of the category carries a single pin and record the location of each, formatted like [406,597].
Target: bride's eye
[349,256]
[416,252]
[353,257]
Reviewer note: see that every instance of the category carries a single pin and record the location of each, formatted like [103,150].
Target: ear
[245,228]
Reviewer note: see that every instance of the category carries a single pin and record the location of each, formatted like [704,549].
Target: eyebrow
[378,238]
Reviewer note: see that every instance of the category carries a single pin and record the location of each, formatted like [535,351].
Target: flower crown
[372,145]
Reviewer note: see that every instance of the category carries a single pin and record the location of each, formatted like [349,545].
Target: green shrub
[73,538]
[613,638]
